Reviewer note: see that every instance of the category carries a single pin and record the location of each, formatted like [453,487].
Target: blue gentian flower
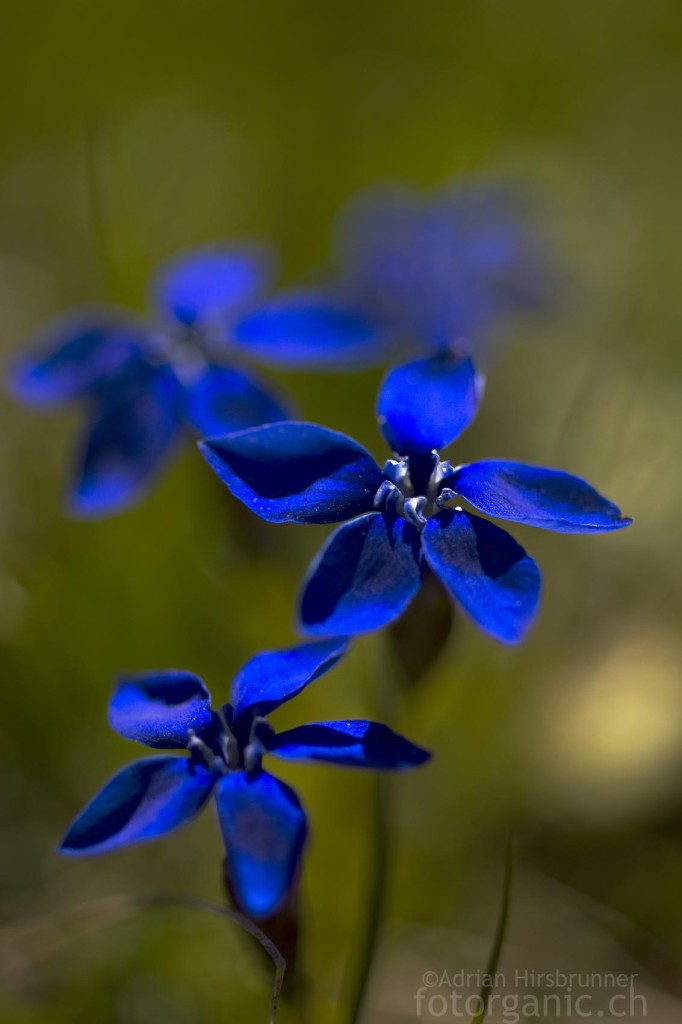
[408,515]
[413,272]
[262,820]
[143,382]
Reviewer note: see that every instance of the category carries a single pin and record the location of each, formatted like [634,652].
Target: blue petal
[485,570]
[147,799]
[273,677]
[356,744]
[128,440]
[207,287]
[296,472]
[363,578]
[75,357]
[158,708]
[426,404]
[548,498]
[311,329]
[264,828]
[224,400]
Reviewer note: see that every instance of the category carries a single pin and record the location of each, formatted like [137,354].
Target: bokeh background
[131,130]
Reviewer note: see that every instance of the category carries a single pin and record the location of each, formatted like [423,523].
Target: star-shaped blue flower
[413,272]
[408,515]
[144,382]
[262,821]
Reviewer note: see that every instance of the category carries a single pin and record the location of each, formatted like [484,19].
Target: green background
[132,130]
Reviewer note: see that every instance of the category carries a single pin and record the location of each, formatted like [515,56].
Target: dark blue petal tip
[159,708]
[546,498]
[147,799]
[358,744]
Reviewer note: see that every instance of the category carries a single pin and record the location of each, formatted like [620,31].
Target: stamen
[389,499]
[441,471]
[446,495]
[253,757]
[398,472]
[256,747]
[260,730]
[228,742]
[382,496]
[197,746]
[412,510]
[230,749]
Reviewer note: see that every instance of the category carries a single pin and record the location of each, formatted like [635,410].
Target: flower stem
[377,894]
[500,933]
[386,674]
[278,961]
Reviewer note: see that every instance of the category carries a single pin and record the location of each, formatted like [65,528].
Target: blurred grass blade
[376,900]
[500,934]
[41,938]
[115,214]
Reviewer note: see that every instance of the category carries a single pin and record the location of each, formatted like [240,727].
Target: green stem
[278,961]
[500,933]
[377,894]
[386,673]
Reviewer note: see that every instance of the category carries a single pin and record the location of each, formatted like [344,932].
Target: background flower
[413,270]
[144,383]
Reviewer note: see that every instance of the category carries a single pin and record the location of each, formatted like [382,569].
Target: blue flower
[144,383]
[262,820]
[413,272]
[407,516]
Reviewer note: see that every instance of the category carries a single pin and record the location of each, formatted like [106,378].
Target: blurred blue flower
[413,272]
[145,382]
[403,517]
[262,820]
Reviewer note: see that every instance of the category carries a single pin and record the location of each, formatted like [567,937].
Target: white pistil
[210,759]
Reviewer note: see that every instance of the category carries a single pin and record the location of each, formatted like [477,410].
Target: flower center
[184,348]
[231,746]
[415,487]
